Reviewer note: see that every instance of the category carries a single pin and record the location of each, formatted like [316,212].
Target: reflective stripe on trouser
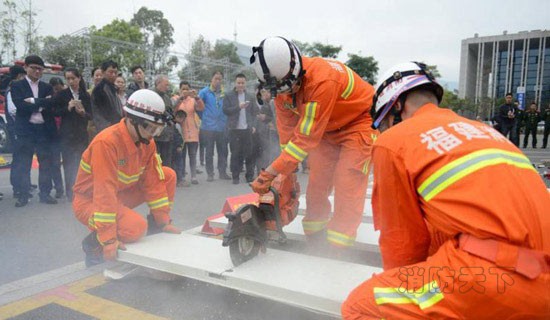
[456,285]
[130,225]
[338,163]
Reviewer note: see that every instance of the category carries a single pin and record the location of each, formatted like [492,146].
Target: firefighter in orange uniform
[445,182]
[119,171]
[323,113]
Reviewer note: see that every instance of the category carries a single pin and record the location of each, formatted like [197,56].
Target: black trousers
[57,178]
[217,139]
[530,131]
[72,153]
[240,142]
[36,140]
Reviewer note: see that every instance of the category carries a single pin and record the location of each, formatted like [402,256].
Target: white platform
[305,281]
[367,237]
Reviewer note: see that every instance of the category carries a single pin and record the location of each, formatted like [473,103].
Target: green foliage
[125,56]
[204,59]
[158,34]
[463,107]
[66,50]
[8,22]
[433,69]
[365,67]
[318,49]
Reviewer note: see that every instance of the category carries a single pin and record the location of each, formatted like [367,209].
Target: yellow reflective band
[461,167]
[105,217]
[351,83]
[85,167]
[91,222]
[340,238]
[309,118]
[314,226]
[365,169]
[127,179]
[158,203]
[283,146]
[295,151]
[424,297]
[159,167]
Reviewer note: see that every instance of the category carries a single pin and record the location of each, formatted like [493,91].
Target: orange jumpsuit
[116,176]
[439,176]
[328,121]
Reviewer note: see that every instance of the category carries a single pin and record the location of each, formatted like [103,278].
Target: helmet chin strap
[140,138]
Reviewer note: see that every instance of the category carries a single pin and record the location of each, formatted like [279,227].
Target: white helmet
[277,63]
[397,80]
[147,105]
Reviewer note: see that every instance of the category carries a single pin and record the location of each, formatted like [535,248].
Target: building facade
[519,63]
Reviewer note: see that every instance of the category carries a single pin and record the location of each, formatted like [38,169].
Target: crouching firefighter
[119,171]
[462,213]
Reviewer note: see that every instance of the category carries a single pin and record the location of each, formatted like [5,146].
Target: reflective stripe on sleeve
[155,204]
[462,167]
[159,167]
[424,297]
[295,151]
[351,84]
[85,167]
[309,118]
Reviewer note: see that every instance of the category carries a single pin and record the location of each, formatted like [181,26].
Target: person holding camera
[241,110]
[187,105]
[74,107]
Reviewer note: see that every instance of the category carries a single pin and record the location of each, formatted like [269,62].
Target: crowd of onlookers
[510,120]
[57,120]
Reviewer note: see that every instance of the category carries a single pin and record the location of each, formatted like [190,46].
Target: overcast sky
[392,31]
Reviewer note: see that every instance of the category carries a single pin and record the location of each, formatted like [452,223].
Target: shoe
[198,171]
[17,195]
[249,179]
[210,178]
[235,180]
[34,187]
[224,176]
[194,181]
[48,200]
[21,202]
[59,194]
[93,250]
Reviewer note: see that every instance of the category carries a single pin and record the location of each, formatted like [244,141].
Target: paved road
[41,238]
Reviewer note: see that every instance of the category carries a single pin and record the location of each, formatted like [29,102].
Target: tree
[66,50]
[433,68]
[30,30]
[158,34]
[324,50]
[463,107]
[8,22]
[318,49]
[365,67]
[204,59]
[131,50]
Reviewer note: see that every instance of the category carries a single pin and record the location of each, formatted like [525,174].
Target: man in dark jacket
[241,110]
[507,113]
[106,106]
[139,81]
[165,140]
[34,130]
[531,119]
[546,118]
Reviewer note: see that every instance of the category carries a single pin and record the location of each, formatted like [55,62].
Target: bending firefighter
[323,113]
[462,214]
[119,171]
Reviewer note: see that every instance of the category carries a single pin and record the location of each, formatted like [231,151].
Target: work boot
[152,227]
[93,250]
